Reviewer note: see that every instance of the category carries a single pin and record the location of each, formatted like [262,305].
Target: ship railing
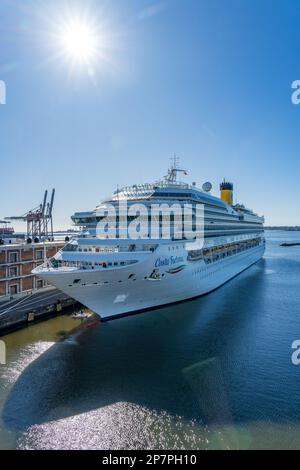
[54,265]
[97,248]
[85,265]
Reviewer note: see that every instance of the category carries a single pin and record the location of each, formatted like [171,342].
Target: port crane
[39,220]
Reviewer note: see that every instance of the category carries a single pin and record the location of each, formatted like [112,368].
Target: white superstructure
[116,276]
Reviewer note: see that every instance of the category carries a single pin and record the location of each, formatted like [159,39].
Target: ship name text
[160,262]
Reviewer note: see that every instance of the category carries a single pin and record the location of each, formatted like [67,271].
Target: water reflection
[170,360]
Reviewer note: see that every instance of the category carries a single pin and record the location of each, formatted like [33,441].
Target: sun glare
[82,41]
[79,41]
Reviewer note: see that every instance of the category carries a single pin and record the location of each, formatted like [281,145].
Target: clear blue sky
[207,79]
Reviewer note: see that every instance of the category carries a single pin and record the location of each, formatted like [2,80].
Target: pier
[32,308]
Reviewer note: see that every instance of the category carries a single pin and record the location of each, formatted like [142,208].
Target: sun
[79,41]
[82,40]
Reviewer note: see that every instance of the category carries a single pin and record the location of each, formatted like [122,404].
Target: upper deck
[169,191]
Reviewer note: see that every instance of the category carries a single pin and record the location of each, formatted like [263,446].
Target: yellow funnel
[227,192]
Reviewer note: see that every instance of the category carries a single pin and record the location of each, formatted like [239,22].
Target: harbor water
[213,373]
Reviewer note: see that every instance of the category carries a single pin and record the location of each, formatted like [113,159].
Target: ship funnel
[227,192]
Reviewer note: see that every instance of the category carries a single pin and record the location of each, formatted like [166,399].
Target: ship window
[76,281]
[130,276]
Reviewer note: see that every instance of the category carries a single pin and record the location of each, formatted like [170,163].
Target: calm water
[211,373]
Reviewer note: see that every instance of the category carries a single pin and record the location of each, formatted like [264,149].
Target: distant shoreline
[290,244]
[296,228]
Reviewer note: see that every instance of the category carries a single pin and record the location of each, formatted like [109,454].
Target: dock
[33,308]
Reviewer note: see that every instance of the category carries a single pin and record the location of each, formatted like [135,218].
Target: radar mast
[174,169]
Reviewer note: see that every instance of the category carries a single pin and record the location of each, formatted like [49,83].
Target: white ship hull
[111,293]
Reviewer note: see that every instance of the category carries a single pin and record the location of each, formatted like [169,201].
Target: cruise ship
[115,275]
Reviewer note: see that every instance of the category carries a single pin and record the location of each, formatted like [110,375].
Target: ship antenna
[171,177]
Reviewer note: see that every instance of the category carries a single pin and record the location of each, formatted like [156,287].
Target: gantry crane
[39,220]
